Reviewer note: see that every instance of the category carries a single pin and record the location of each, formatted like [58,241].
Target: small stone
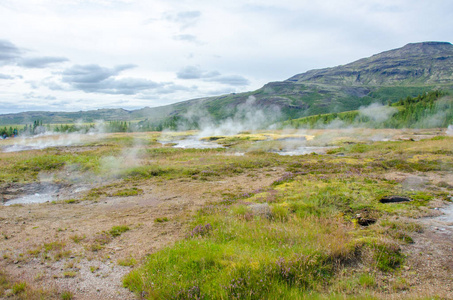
[407,268]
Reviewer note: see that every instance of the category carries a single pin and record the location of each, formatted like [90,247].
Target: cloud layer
[194,72]
[89,54]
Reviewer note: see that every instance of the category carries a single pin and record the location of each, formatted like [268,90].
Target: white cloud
[234,45]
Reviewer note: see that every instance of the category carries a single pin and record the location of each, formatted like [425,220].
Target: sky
[72,55]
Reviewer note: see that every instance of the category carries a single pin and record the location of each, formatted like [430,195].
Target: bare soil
[428,268]
[81,268]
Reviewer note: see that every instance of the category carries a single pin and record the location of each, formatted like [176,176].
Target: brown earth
[428,268]
[91,273]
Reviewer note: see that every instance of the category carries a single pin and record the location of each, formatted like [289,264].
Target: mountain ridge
[425,62]
[387,76]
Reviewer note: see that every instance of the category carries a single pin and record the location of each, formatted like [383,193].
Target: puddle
[447,216]
[442,223]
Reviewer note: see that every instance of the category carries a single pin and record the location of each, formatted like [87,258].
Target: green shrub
[118,230]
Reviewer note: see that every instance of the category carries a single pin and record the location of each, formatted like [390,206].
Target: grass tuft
[118,230]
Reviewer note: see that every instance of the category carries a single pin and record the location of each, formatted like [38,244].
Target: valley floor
[83,244]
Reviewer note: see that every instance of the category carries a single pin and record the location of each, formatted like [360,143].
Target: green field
[315,229]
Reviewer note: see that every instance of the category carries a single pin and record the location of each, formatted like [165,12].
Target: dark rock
[395,199]
[366,221]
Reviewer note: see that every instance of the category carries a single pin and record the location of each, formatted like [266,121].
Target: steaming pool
[40,192]
[194,143]
[32,193]
[29,199]
[303,151]
[290,146]
[40,142]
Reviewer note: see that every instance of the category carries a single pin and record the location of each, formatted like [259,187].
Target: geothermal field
[281,213]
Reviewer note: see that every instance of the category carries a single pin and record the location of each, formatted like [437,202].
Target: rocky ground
[71,246]
[71,233]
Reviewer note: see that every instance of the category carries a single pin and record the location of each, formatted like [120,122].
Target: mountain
[413,64]
[408,71]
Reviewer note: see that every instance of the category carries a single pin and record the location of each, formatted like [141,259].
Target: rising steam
[377,112]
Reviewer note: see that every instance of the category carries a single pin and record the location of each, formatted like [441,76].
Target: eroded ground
[95,229]
[97,273]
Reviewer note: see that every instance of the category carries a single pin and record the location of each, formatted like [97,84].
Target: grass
[93,269]
[19,288]
[128,192]
[127,262]
[53,250]
[99,241]
[69,274]
[161,220]
[77,238]
[309,238]
[118,230]
[12,289]
[66,295]
[297,238]
[299,248]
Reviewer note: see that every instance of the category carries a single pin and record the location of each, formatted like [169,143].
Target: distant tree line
[8,132]
[426,110]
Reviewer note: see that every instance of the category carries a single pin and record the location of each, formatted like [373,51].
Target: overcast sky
[71,55]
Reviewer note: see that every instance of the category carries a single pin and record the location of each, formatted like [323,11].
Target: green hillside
[408,71]
[427,110]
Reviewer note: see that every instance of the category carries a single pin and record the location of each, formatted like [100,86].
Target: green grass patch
[128,192]
[118,230]
[127,262]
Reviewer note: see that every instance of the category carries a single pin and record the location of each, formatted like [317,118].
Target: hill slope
[388,76]
[433,109]
[420,63]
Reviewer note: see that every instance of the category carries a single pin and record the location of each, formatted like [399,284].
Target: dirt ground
[428,269]
[92,274]
[71,232]
[97,274]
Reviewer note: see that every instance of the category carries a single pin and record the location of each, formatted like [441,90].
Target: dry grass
[312,212]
